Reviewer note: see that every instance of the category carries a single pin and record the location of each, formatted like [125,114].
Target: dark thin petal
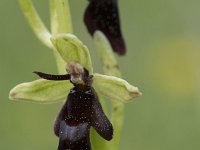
[52,77]
[103,15]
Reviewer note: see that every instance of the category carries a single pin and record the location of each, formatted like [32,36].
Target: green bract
[71,50]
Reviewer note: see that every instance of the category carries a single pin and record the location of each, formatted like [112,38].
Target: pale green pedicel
[110,65]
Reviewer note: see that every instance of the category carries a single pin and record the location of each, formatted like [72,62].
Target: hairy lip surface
[81,111]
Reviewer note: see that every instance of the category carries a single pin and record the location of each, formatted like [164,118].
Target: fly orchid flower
[82,110]
[103,15]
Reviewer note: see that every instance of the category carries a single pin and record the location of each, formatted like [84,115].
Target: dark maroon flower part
[81,111]
[103,15]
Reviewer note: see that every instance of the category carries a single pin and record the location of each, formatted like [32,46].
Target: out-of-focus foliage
[163,41]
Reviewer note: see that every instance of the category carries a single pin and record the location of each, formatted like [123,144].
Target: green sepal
[41,91]
[72,49]
[115,88]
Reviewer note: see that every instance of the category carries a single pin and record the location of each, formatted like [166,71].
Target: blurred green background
[163,40]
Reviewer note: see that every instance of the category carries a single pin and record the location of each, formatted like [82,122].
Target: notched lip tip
[110,138]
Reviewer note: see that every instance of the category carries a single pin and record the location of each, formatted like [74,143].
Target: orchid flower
[82,110]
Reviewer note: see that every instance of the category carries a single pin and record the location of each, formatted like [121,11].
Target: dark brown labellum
[81,111]
[103,15]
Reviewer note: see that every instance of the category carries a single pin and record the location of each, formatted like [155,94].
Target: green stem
[110,67]
[60,23]
[35,22]
[60,17]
